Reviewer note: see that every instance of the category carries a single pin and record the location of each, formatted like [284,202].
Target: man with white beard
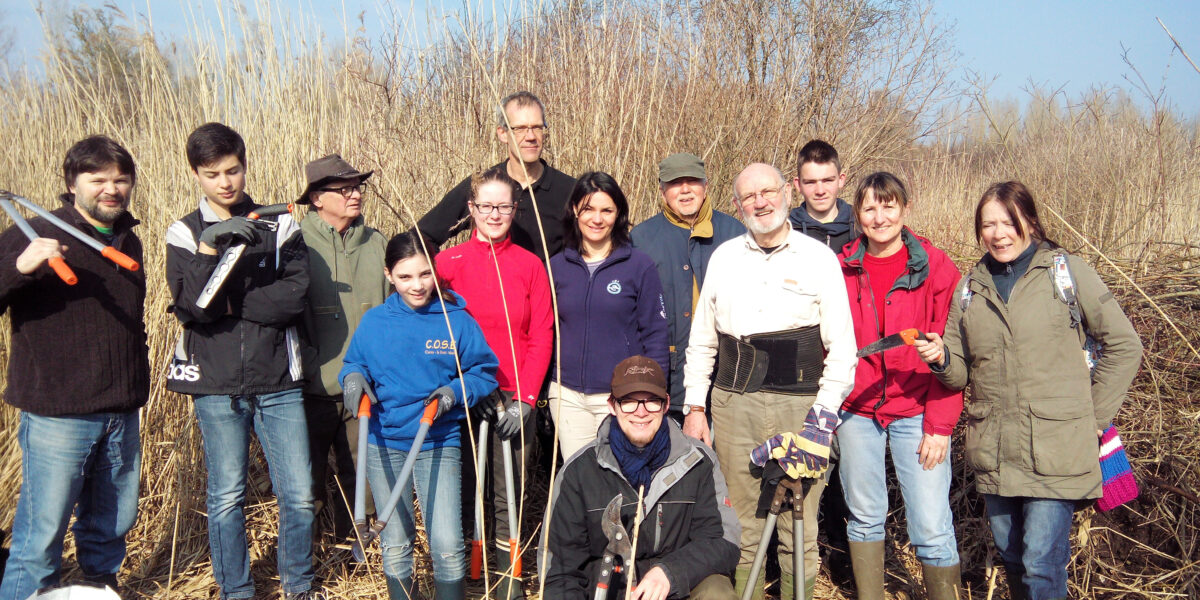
[776,293]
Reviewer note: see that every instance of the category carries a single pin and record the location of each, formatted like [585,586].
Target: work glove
[235,228]
[354,385]
[802,454]
[508,423]
[485,409]
[445,398]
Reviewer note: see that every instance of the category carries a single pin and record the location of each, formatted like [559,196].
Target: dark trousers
[333,430]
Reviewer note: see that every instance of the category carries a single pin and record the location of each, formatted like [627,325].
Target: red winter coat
[897,384]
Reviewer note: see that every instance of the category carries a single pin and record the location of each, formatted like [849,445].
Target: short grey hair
[522,98]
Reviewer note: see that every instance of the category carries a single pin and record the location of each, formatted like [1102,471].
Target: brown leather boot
[942,583]
[867,558]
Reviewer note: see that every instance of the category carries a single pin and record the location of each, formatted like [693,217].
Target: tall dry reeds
[730,80]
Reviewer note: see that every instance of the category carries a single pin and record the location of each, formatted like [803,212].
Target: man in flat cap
[345,268]
[680,239]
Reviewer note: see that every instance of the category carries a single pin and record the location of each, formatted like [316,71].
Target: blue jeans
[1033,538]
[438,476]
[88,464]
[278,420]
[863,445]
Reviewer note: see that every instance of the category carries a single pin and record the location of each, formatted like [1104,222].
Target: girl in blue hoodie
[406,352]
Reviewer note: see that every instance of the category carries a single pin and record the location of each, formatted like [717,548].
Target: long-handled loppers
[798,489]
[514,539]
[480,473]
[233,253]
[56,262]
[118,257]
[360,475]
[397,489]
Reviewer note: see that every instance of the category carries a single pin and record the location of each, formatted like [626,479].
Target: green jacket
[345,279]
[1034,411]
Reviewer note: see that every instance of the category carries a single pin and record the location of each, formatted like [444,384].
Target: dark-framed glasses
[629,404]
[486,209]
[347,190]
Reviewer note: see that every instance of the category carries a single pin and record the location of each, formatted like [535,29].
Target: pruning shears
[618,546]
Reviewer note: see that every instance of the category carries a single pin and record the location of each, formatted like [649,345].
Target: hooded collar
[916,269]
[396,305]
[842,223]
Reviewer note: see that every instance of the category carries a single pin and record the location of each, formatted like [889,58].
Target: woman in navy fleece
[404,350]
[610,307]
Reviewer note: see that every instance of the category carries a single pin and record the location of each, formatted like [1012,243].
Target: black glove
[354,385]
[771,474]
[485,408]
[235,228]
[508,424]
[445,398]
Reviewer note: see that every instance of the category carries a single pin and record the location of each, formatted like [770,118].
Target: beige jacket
[1034,411]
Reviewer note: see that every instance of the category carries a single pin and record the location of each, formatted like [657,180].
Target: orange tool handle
[476,558]
[270,210]
[364,406]
[514,557]
[120,258]
[64,272]
[430,413]
[909,336]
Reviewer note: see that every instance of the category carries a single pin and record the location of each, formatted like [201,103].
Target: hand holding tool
[56,262]
[233,253]
[509,420]
[904,337]
[443,398]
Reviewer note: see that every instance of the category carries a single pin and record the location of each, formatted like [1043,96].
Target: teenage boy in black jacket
[239,358]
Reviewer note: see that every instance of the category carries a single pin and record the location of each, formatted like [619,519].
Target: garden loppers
[233,253]
[480,472]
[118,257]
[798,489]
[56,262]
[618,546]
[405,471]
[513,537]
[360,475]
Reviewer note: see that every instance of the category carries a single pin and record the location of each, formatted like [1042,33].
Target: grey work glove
[235,228]
[445,398]
[508,423]
[354,385]
[485,409]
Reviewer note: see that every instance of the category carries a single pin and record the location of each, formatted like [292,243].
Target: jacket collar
[840,224]
[313,223]
[500,246]
[241,209]
[618,253]
[701,228]
[916,269]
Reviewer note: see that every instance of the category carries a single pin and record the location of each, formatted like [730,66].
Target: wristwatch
[688,408]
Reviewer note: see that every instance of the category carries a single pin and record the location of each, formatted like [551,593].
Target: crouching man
[688,543]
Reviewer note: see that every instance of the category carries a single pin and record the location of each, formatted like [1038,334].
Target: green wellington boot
[867,558]
[507,588]
[741,577]
[942,583]
[401,589]
[786,581]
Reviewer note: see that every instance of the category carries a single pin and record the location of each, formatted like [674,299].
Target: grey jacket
[1034,411]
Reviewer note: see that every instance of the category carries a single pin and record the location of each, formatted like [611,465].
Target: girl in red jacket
[518,324]
[897,280]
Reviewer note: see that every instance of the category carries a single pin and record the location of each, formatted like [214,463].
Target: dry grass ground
[624,89]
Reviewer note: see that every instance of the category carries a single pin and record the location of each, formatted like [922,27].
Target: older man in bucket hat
[345,267]
[688,544]
[681,239]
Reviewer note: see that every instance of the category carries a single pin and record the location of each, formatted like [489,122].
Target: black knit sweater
[80,349]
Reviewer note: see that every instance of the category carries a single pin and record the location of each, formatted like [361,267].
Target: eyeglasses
[629,404]
[769,195]
[486,209]
[347,190]
[522,130]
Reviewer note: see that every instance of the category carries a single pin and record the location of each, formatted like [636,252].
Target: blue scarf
[639,464]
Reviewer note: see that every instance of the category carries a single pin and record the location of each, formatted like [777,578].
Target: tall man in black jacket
[239,358]
[521,127]
[78,371]
[688,543]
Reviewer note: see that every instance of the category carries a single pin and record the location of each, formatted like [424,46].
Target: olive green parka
[1034,411]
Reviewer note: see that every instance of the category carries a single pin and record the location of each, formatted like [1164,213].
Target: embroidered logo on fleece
[614,287]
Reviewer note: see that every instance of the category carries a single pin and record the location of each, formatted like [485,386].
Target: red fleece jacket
[470,269]
[897,384]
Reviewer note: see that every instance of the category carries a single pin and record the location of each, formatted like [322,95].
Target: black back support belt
[784,362]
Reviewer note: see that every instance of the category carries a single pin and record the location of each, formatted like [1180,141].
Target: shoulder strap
[964,297]
[1064,285]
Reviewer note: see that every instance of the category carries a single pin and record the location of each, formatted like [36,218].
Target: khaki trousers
[577,417]
[742,422]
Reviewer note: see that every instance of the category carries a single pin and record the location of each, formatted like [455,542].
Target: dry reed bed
[623,90]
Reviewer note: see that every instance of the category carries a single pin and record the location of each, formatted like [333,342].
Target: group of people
[687,346]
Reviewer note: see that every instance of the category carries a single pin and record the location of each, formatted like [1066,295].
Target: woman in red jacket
[897,280]
[518,324]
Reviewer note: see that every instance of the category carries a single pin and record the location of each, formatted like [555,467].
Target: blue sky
[1072,44]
